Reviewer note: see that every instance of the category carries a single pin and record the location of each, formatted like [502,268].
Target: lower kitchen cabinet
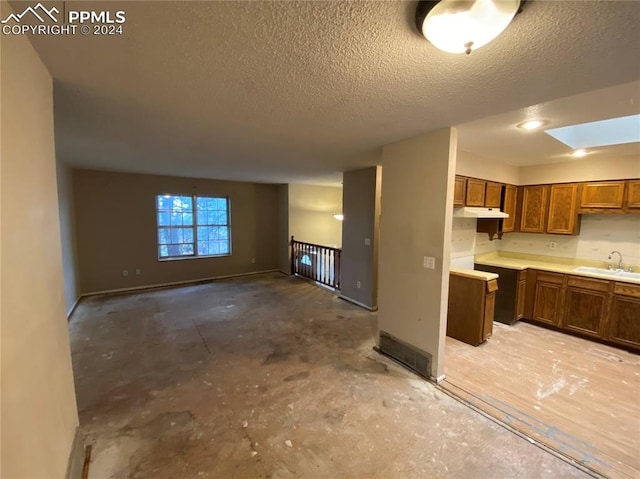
[608,311]
[625,315]
[547,298]
[586,305]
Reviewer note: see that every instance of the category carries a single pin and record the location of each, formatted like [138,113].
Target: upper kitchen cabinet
[633,194]
[563,209]
[602,196]
[459,192]
[475,192]
[509,207]
[493,195]
[534,208]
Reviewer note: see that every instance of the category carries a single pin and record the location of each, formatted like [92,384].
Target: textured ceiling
[499,139]
[300,91]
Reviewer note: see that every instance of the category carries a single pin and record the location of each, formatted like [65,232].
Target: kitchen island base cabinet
[471,309]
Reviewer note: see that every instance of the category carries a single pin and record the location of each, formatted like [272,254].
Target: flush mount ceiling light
[460,26]
[579,153]
[532,124]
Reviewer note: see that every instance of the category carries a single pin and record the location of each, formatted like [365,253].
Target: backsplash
[599,235]
[466,242]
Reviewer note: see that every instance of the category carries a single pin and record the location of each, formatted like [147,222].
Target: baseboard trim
[358,303]
[73,307]
[176,283]
[75,465]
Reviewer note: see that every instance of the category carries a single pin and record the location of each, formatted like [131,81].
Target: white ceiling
[499,139]
[303,90]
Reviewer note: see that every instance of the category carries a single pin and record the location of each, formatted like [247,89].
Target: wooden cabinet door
[509,207]
[546,306]
[586,306]
[459,192]
[603,195]
[624,328]
[493,195]
[625,321]
[534,209]
[633,194]
[475,192]
[563,209]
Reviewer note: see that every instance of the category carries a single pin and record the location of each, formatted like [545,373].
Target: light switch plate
[367,241]
[429,262]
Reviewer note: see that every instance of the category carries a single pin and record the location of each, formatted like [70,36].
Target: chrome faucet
[620,266]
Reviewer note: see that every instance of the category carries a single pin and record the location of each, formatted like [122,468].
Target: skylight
[615,131]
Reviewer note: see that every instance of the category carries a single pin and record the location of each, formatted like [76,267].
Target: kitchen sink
[609,273]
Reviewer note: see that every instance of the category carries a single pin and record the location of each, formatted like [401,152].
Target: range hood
[471,212]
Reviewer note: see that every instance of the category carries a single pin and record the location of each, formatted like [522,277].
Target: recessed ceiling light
[532,124]
[579,153]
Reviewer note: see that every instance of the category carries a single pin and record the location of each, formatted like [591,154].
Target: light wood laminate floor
[579,397]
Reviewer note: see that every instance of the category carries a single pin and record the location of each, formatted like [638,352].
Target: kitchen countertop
[469,273]
[521,261]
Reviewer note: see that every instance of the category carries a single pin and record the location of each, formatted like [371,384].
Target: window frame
[194,227]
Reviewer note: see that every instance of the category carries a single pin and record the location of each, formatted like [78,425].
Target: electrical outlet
[552,245]
[137,272]
[253,260]
[125,272]
[367,241]
[358,284]
[429,262]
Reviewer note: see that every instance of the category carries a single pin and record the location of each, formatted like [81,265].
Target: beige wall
[116,229]
[67,234]
[581,170]
[311,210]
[469,164]
[417,206]
[362,191]
[38,415]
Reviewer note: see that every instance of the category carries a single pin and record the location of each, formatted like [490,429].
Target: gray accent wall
[67,234]
[360,233]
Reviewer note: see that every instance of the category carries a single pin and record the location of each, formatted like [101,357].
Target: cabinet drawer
[627,289]
[590,284]
[546,277]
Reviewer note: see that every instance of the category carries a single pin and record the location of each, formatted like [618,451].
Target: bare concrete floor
[269,377]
